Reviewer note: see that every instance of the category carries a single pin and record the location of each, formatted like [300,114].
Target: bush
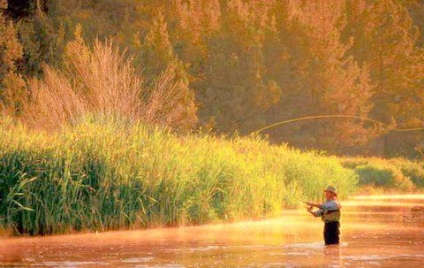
[102,81]
[413,170]
[383,176]
[387,173]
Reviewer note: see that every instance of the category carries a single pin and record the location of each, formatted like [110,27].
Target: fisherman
[330,215]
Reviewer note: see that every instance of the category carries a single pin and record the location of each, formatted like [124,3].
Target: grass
[397,174]
[107,175]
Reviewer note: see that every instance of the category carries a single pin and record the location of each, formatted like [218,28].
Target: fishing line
[336,116]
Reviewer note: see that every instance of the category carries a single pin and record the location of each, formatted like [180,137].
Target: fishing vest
[331,215]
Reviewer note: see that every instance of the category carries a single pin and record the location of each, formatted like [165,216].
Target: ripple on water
[73,263]
[160,265]
[366,258]
[138,260]
[315,245]
[381,258]
[294,253]
[206,248]
[306,245]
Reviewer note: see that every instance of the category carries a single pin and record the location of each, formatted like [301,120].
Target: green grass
[397,174]
[103,175]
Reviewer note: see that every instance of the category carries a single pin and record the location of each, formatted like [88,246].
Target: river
[377,231]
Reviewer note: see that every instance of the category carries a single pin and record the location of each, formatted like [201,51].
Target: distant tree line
[241,65]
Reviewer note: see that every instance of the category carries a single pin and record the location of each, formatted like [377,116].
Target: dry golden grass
[102,82]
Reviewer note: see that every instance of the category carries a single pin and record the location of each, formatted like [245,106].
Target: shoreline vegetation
[75,157]
[103,174]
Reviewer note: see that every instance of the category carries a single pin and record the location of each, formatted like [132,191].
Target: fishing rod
[300,200]
[304,203]
[377,122]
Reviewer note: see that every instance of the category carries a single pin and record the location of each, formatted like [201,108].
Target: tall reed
[103,175]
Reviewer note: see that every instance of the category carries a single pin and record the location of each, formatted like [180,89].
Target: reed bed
[112,174]
[387,175]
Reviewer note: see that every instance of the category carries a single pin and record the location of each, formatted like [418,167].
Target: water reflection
[379,235]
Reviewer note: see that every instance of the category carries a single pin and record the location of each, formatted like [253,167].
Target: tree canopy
[235,66]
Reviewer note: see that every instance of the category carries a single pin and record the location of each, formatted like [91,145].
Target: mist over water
[376,231]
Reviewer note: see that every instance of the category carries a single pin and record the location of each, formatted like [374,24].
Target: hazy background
[224,66]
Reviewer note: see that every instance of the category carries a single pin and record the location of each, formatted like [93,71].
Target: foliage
[389,174]
[159,60]
[343,87]
[12,86]
[413,170]
[385,177]
[103,175]
[240,65]
[387,42]
[234,91]
[102,81]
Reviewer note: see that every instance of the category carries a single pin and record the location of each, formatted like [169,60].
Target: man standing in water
[330,215]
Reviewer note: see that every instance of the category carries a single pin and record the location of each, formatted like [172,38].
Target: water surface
[377,231]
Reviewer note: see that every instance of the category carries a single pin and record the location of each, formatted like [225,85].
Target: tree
[234,93]
[416,11]
[344,87]
[318,77]
[161,64]
[386,40]
[12,85]
[193,23]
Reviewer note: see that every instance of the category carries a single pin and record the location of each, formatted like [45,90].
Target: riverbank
[386,176]
[102,175]
[114,175]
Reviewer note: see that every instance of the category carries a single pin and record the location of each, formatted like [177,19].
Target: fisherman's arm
[317,205]
[317,213]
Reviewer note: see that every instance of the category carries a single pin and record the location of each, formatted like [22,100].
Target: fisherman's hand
[308,203]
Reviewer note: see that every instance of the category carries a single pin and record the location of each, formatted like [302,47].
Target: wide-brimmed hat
[331,189]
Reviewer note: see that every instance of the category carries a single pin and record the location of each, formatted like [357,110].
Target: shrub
[101,81]
[383,176]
